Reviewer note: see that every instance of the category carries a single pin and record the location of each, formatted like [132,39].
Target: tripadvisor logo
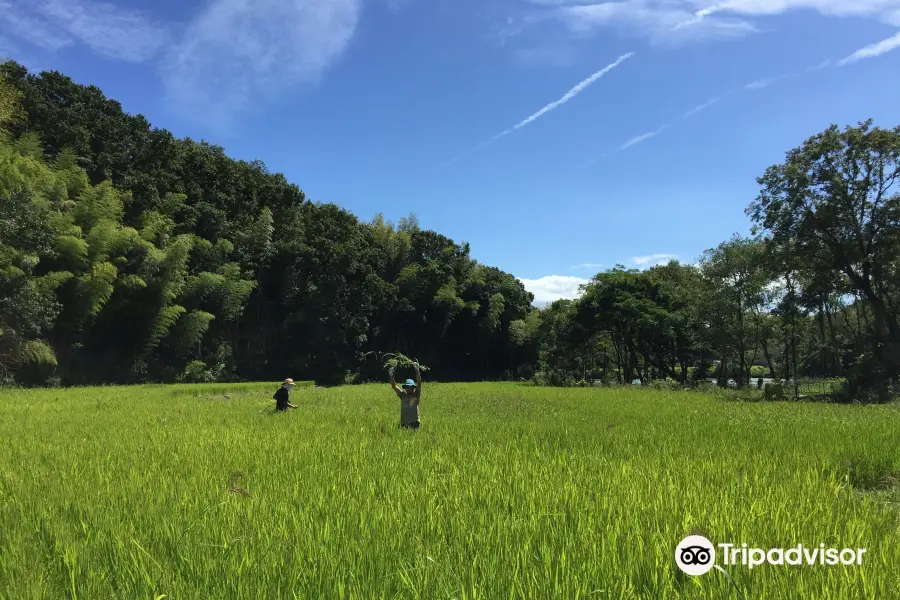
[696,555]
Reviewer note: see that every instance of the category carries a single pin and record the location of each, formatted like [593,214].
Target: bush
[196,371]
[38,363]
[757,371]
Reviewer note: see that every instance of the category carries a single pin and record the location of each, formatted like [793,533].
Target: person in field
[283,396]
[410,395]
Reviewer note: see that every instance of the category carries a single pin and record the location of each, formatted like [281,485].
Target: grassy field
[507,491]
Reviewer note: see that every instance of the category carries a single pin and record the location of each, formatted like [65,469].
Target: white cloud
[877,49]
[238,51]
[653,259]
[588,266]
[657,20]
[683,20]
[107,29]
[880,9]
[554,287]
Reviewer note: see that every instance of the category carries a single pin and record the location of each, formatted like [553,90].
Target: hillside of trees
[127,255]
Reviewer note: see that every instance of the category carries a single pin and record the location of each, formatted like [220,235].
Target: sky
[558,138]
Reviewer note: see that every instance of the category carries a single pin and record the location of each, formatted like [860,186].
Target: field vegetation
[508,491]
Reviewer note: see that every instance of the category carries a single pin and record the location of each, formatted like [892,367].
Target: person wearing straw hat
[283,396]
[409,399]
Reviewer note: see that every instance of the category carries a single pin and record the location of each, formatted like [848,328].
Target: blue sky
[558,138]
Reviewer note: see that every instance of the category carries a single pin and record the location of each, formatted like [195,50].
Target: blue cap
[409,383]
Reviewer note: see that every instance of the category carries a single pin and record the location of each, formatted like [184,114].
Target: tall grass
[507,491]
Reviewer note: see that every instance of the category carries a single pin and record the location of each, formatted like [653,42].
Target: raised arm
[418,382]
[394,382]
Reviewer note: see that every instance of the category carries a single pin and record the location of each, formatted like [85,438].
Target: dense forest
[127,255]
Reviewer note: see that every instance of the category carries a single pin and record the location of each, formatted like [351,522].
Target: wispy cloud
[240,51]
[653,259]
[554,287]
[660,21]
[587,266]
[676,21]
[879,9]
[822,65]
[700,108]
[638,139]
[761,83]
[642,138]
[873,50]
[870,51]
[107,29]
[577,89]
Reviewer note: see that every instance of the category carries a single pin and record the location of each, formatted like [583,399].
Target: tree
[835,203]
[735,271]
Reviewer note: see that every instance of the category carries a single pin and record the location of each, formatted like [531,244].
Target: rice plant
[508,491]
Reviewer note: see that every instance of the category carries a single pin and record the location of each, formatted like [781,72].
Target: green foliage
[97,287]
[396,360]
[157,228]
[196,371]
[100,203]
[10,106]
[72,252]
[37,362]
[100,240]
[192,327]
[38,352]
[165,319]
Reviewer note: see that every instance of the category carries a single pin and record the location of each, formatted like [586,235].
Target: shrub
[196,371]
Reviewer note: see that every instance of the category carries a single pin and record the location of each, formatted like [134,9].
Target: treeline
[815,292]
[127,255]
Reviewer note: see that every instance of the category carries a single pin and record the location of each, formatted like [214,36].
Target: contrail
[873,50]
[762,83]
[870,51]
[571,93]
[867,52]
[701,107]
[652,134]
[580,87]
[822,65]
[642,138]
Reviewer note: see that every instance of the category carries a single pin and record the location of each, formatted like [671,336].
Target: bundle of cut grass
[400,361]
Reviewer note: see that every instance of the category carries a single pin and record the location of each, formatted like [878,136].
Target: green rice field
[507,491]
